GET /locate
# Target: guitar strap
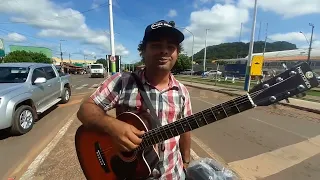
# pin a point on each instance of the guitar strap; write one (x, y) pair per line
(154, 120)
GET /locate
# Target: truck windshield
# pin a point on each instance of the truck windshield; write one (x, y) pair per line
(96, 67)
(13, 74)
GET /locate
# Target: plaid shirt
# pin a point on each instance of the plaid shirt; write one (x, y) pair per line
(120, 92)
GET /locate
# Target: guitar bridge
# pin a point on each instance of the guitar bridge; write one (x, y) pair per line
(101, 157)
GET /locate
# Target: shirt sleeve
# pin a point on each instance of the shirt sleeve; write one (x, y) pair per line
(187, 108)
(107, 94)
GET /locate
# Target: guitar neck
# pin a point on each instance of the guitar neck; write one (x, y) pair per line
(197, 120)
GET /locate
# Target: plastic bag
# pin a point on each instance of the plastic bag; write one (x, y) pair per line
(208, 169)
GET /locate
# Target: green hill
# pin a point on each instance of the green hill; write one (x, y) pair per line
(240, 49)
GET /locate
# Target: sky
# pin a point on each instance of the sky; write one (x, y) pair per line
(83, 29)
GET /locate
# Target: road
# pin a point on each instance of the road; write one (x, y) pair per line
(269, 143)
(265, 142)
(18, 151)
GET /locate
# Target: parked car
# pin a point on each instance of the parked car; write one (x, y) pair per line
(212, 73)
(187, 72)
(27, 90)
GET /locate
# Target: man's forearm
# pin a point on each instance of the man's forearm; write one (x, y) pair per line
(92, 116)
(185, 146)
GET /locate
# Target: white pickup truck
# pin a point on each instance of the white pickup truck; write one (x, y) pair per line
(27, 90)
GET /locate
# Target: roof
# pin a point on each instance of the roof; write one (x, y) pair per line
(23, 64)
(86, 61)
(291, 58)
(294, 52)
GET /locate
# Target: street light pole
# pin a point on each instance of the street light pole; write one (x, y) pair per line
(205, 52)
(249, 61)
(191, 49)
(310, 44)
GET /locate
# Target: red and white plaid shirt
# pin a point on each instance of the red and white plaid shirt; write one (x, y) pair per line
(120, 91)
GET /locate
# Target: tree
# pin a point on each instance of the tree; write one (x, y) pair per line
(183, 62)
(24, 56)
(102, 61)
(240, 50)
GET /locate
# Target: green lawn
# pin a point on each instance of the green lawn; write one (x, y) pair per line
(236, 85)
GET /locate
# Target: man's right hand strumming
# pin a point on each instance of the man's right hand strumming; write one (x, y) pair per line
(125, 136)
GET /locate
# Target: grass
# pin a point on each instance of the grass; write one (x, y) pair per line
(238, 85)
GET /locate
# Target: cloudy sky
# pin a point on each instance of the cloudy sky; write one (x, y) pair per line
(82, 27)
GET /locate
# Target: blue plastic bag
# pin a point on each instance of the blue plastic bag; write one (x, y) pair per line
(208, 169)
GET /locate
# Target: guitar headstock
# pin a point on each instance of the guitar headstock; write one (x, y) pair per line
(292, 82)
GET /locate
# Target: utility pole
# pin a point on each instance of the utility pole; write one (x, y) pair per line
(61, 56)
(205, 52)
(310, 44)
(259, 31)
(240, 40)
(249, 61)
(113, 64)
(265, 41)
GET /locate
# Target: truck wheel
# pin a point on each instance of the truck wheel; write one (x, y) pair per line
(23, 120)
(65, 96)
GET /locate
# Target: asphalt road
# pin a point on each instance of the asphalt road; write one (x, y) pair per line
(266, 142)
(17, 152)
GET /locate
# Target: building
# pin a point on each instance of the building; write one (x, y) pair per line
(46, 51)
(76, 62)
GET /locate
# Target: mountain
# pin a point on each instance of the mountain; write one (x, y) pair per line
(240, 50)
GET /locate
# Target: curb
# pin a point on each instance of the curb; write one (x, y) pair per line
(239, 94)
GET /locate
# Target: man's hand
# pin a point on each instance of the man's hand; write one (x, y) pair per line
(125, 136)
(186, 165)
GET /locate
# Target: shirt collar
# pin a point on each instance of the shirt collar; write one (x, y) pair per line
(172, 80)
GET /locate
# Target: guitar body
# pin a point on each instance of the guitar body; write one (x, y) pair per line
(99, 159)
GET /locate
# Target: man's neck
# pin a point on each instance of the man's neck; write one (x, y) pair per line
(159, 79)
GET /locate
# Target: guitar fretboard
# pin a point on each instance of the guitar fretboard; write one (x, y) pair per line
(196, 120)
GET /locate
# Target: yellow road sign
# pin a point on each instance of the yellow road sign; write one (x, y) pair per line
(256, 66)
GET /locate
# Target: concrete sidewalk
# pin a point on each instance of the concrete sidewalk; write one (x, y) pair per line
(295, 103)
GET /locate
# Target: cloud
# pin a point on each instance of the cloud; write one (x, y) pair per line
(223, 22)
(56, 21)
(291, 37)
(285, 8)
(172, 13)
(297, 38)
(16, 37)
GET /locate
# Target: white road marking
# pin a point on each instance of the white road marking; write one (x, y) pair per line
(94, 86)
(46, 151)
(194, 155)
(273, 162)
(82, 86)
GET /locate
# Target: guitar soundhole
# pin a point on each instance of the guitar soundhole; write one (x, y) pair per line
(128, 154)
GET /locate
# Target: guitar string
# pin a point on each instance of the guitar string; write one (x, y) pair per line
(147, 141)
(149, 136)
(151, 132)
(219, 108)
(193, 119)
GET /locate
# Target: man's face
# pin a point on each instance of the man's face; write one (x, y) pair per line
(161, 55)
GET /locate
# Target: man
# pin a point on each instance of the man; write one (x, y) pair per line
(159, 49)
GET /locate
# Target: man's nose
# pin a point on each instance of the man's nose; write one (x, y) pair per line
(164, 49)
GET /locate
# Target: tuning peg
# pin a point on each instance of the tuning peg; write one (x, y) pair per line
(284, 66)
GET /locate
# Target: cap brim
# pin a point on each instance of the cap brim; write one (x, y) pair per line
(165, 32)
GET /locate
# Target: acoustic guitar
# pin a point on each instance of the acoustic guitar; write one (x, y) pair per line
(99, 160)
